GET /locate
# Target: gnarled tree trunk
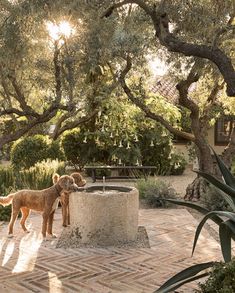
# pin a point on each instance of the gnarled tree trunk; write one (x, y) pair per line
(205, 160)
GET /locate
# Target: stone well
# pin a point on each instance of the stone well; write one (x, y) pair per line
(105, 217)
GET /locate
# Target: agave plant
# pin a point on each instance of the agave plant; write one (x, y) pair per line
(224, 219)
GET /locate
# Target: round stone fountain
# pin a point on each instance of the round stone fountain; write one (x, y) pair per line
(102, 216)
(105, 217)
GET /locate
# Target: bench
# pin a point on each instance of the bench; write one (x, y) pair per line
(135, 171)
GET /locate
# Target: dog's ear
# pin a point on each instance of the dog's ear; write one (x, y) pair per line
(79, 180)
(55, 178)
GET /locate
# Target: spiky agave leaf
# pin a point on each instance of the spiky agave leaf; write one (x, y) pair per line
(227, 175)
(225, 235)
(210, 215)
(222, 186)
(196, 207)
(185, 276)
(188, 204)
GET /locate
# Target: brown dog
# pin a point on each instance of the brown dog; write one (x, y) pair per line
(64, 197)
(44, 201)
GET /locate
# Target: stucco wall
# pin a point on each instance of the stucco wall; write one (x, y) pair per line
(182, 148)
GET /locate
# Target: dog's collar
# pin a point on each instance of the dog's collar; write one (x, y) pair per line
(57, 191)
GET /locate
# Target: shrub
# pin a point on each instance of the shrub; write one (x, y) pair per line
(127, 156)
(55, 152)
(76, 151)
(27, 151)
(5, 212)
(156, 155)
(153, 191)
(178, 164)
(99, 173)
(221, 279)
(6, 179)
(30, 150)
(40, 176)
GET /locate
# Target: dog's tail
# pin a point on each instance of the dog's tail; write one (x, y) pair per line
(6, 200)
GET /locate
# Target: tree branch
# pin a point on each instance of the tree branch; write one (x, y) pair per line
(32, 123)
(19, 96)
(145, 109)
(73, 124)
(174, 44)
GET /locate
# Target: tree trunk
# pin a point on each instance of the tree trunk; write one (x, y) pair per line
(198, 186)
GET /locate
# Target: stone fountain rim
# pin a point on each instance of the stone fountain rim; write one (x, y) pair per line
(114, 188)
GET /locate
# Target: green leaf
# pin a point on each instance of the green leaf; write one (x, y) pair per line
(195, 206)
(188, 204)
(211, 215)
(181, 283)
(225, 241)
(228, 177)
(231, 226)
(228, 199)
(184, 276)
(225, 188)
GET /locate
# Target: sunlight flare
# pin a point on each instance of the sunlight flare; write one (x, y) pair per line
(55, 285)
(28, 251)
(9, 252)
(60, 30)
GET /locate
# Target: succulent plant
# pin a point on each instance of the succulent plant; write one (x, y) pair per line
(224, 219)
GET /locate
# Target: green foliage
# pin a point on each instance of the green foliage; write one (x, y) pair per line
(99, 173)
(221, 279)
(153, 191)
(127, 156)
(40, 175)
(158, 154)
(5, 213)
(77, 151)
(84, 148)
(55, 152)
(26, 152)
(213, 200)
(156, 150)
(6, 178)
(226, 223)
(178, 164)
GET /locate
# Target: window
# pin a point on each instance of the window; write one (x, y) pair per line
(223, 129)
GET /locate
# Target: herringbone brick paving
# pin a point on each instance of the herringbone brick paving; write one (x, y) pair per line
(30, 265)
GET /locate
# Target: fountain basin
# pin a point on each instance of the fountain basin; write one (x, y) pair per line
(105, 218)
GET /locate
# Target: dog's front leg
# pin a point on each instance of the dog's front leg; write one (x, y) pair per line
(68, 215)
(14, 213)
(49, 225)
(45, 217)
(64, 214)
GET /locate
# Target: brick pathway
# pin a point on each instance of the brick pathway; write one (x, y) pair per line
(30, 265)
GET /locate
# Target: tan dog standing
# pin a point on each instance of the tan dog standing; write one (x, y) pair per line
(44, 201)
(64, 197)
